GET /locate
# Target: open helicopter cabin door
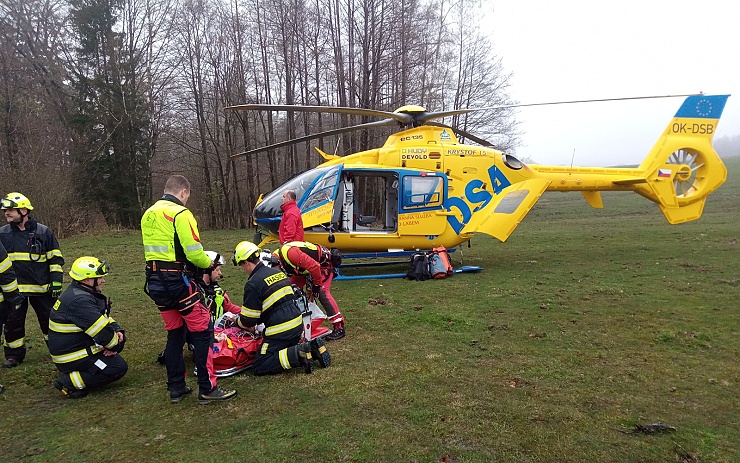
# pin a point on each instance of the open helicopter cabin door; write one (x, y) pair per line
(367, 201)
(317, 204)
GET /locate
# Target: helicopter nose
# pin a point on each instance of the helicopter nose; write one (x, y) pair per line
(268, 213)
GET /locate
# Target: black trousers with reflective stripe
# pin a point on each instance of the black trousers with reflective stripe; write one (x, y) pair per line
(4, 312)
(97, 371)
(15, 327)
(269, 362)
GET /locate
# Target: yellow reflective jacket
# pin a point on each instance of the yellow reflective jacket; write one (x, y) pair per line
(170, 234)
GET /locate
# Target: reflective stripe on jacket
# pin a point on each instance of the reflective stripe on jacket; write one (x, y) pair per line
(303, 258)
(269, 299)
(8, 283)
(79, 326)
(34, 251)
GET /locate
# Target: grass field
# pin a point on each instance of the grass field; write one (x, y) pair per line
(584, 324)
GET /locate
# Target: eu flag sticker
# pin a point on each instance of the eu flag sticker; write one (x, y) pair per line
(703, 107)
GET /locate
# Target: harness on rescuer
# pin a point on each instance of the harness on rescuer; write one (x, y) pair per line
(168, 272)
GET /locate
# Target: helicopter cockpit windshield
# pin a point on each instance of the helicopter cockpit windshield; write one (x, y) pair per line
(269, 209)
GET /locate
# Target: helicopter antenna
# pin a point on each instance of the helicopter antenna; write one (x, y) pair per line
(572, 158)
(336, 148)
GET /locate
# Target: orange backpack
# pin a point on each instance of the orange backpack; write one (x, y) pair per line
(439, 259)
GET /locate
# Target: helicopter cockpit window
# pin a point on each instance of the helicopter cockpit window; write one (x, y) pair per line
(419, 192)
(323, 190)
(270, 205)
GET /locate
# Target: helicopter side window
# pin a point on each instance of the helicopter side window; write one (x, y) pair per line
(420, 192)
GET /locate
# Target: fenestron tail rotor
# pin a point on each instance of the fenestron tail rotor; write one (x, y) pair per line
(687, 179)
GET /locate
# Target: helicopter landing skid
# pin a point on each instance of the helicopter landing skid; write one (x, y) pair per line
(463, 269)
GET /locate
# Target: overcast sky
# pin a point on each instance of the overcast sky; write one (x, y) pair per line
(574, 50)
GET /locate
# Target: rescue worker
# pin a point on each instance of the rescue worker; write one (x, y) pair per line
(291, 224)
(10, 297)
(213, 296)
(37, 262)
(173, 252)
(84, 341)
(307, 262)
(269, 298)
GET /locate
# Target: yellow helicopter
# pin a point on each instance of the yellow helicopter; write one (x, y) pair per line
(438, 192)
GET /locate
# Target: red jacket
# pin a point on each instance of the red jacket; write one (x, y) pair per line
(291, 225)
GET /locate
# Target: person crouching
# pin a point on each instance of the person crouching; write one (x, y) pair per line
(269, 298)
(84, 341)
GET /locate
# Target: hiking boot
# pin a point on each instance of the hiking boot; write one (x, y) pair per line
(177, 396)
(216, 394)
(11, 362)
(70, 392)
(320, 353)
(336, 334)
(305, 357)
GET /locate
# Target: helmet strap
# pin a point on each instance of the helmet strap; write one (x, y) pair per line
(92, 286)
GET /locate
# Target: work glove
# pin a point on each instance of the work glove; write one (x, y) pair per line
(315, 290)
(56, 289)
(118, 348)
(16, 299)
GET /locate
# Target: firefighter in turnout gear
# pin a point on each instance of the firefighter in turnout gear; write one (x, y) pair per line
(269, 298)
(173, 253)
(37, 262)
(10, 297)
(309, 265)
(84, 341)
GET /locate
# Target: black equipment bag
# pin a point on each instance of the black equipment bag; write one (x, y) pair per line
(419, 268)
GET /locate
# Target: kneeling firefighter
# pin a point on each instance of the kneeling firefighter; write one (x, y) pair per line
(269, 298)
(84, 341)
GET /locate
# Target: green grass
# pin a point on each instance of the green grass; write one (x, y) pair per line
(583, 324)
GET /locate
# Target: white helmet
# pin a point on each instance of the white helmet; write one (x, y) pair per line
(217, 258)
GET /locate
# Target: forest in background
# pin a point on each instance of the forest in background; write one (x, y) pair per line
(101, 100)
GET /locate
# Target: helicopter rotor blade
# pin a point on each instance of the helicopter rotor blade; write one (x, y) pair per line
(382, 123)
(400, 117)
(524, 105)
(464, 133)
(442, 114)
